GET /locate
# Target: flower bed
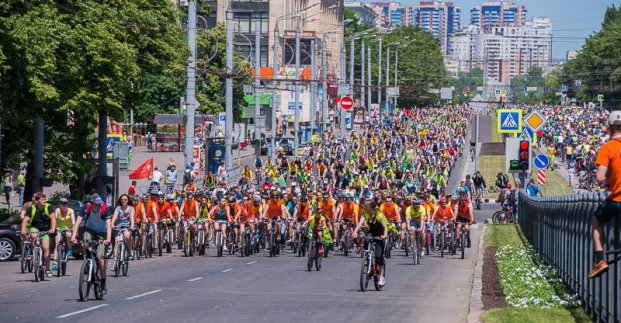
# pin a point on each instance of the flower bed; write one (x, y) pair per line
(529, 284)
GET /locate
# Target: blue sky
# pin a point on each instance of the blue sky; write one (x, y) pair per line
(572, 20)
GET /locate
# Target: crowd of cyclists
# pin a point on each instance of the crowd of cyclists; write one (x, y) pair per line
(389, 181)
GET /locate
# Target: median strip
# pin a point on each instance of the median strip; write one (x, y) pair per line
(81, 311)
(143, 294)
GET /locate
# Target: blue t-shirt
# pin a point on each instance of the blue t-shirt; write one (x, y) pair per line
(95, 222)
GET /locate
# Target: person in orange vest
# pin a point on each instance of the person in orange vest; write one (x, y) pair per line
(464, 216)
(346, 213)
(189, 212)
(301, 212)
(252, 211)
(328, 208)
(275, 210)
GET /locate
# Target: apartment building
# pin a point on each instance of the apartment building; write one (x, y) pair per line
(498, 14)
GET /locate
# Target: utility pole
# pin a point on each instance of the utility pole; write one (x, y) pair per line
(387, 75)
(369, 82)
(313, 87)
(324, 85)
(342, 82)
(351, 67)
(362, 88)
(396, 69)
(257, 79)
(190, 87)
(379, 79)
(228, 125)
(274, 93)
(296, 121)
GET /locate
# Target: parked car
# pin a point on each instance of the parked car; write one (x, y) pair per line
(9, 235)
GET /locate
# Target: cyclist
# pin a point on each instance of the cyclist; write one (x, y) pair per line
(375, 221)
(221, 215)
(189, 211)
(442, 215)
(391, 211)
(317, 225)
(346, 211)
(464, 216)
(123, 219)
(235, 211)
(65, 218)
(40, 218)
(98, 225)
(415, 216)
(328, 209)
(275, 211)
(161, 210)
(251, 211)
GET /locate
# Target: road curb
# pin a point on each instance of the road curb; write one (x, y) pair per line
(476, 301)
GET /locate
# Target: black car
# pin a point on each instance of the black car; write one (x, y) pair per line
(9, 234)
(286, 143)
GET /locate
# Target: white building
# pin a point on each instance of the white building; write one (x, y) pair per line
(504, 51)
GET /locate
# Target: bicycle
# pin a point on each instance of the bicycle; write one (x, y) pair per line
(121, 262)
(179, 232)
(301, 240)
(274, 247)
(160, 238)
(244, 246)
(417, 249)
(37, 257)
(187, 241)
(315, 250)
(369, 268)
(25, 260)
(201, 240)
(148, 243)
(61, 253)
(503, 216)
(462, 241)
(169, 238)
(230, 238)
(137, 241)
(89, 273)
(219, 242)
(347, 229)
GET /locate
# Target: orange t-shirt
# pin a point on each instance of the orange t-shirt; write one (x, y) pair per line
(274, 210)
(189, 209)
(348, 210)
(443, 214)
(327, 208)
(149, 210)
(390, 212)
(138, 213)
(162, 210)
(609, 156)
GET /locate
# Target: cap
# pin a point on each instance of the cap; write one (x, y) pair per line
(614, 118)
(508, 185)
(96, 199)
(64, 200)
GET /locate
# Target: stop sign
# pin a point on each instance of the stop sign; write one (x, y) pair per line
(347, 103)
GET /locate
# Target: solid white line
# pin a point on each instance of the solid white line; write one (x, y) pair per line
(144, 294)
(250, 263)
(194, 279)
(82, 311)
(227, 270)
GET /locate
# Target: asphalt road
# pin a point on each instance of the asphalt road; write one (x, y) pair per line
(258, 288)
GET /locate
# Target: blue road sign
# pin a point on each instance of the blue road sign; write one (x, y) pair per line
(546, 89)
(524, 89)
(510, 121)
(565, 88)
(528, 130)
(541, 161)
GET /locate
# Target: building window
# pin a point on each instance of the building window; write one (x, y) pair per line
(245, 21)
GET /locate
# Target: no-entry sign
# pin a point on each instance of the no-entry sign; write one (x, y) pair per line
(347, 103)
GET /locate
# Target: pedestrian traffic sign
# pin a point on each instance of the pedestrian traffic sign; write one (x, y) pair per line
(541, 161)
(535, 121)
(509, 121)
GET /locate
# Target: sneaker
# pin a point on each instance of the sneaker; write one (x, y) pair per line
(104, 290)
(69, 253)
(53, 265)
(320, 250)
(131, 257)
(382, 281)
(225, 248)
(598, 269)
(468, 243)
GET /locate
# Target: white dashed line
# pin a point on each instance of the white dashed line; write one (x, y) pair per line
(194, 279)
(144, 294)
(82, 311)
(227, 270)
(250, 263)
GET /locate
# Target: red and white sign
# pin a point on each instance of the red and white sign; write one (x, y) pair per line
(541, 176)
(196, 158)
(347, 103)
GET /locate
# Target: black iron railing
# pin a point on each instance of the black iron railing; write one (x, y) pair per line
(560, 230)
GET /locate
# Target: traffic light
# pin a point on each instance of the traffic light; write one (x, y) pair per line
(524, 155)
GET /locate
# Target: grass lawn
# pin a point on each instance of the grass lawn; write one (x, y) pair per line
(523, 315)
(496, 137)
(498, 235)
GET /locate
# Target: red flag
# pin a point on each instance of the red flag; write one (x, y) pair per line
(143, 171)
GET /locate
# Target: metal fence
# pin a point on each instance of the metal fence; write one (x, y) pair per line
(560, 230)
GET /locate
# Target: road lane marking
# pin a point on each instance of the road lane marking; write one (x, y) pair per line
(82, 311)
(143, 294)
(250, 263)
(227, 270)
(194, 279)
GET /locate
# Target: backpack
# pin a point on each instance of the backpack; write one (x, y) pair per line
(187, 176)
(87, 211)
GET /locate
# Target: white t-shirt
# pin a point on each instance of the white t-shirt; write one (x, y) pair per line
(157, 176)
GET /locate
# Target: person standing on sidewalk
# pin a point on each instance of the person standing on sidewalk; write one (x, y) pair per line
(171, 178)
(21, 186)
(608, 172)
(7, 187)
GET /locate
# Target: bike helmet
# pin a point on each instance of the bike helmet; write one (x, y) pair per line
(455, 197)
(349, 195)
(509, 185)
(257, 198)
(145, 196)
(170, 197)
(304, 198)
(232, 199)
(416, 200)
(443, 199)
(160, 194)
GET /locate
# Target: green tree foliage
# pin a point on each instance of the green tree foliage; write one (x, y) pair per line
(87, 56)
(598, 63)
(467, 83)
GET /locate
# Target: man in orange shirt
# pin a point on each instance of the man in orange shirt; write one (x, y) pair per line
(329, 211)
(346, 213)
(274, 211)
(608, 163)
(392, 212)
(188, 212)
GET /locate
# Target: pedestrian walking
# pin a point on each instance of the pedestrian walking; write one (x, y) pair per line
(21, 186)
(7, 187)
(222, 172)
(171, 178)
(156, 179)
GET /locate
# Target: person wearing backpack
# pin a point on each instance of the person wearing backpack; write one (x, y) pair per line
(98, 225)
(531, 188)
(40, 218)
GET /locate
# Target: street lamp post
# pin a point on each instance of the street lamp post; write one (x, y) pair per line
(228, 124)
(387, 75)
(362, 88)
(257, 78)
(369, 82)
(296, 82)
(379, 79)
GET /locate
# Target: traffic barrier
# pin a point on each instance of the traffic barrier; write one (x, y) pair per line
(560, 230)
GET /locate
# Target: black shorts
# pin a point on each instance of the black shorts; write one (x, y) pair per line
(607, 211)
(462, 220)
(379, 251)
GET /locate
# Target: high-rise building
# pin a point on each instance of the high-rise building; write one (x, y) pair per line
(440, 18)
(498, 14)
(363, 11)
(504, 51)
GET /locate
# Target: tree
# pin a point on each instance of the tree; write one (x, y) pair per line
(467, 83)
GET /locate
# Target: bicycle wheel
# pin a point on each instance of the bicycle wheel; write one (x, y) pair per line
(97, 287)
(117, 260)
(84, 285)
(496, 216)
(364, 274)
(406, 245)
(192, 247)
(59, 259)
(388, 245)
(137, 248)
(159, 244)
(180, 233)
(478, 203)
(453, 246)
(64, 268)
(442, 244)
(311, 251)
(462, 240)
(218, 243)
(318, 262)
(37, 264)
(125, 265)
(346, 244)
